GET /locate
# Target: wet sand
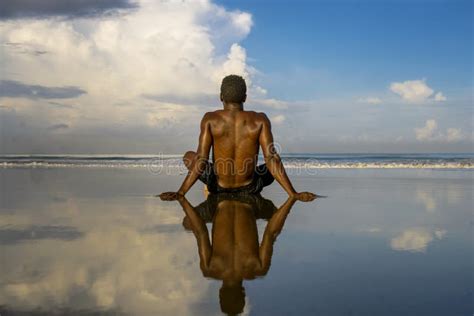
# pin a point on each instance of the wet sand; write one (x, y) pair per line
(384, 242)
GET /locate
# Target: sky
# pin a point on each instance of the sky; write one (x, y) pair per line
(131, 77)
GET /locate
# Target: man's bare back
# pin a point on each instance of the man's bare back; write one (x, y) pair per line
(235, 137)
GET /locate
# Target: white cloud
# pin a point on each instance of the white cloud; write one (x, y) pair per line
(415, 91)
(427, 132)
(415, 239)
(412, 90)
(271, 103)
(453, 135)
(242, 21)
(430, 133)
(370, 100)
(439, 97)
(235, 63)
(260, 91)
(278, 119)
(161, 48)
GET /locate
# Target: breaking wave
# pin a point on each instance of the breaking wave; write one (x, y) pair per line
(291, 161)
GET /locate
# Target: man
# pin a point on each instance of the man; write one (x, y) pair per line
(234, 253)
(235, 136)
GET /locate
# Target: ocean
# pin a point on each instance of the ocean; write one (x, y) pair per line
(291, 161)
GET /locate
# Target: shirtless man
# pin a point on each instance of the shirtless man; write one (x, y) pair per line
(234, 253)
(235, 136)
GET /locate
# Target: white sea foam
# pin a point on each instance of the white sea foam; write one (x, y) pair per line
(158, 165)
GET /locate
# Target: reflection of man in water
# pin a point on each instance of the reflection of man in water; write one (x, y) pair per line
(234, 254)
(235, 136)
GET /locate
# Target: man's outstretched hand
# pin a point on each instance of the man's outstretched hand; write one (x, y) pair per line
(301, 196)
(171, 196)
(305, 196)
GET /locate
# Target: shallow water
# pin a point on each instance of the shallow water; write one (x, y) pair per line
(96, 241)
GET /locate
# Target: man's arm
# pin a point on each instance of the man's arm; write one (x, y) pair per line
(200, 232)
(198, 166)
(273, 229)
(274, 164)
(204, 147)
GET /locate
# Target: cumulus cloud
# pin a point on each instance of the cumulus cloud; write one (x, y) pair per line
(415, 239)
(453, 135)
(160, 48)
(426, 132)
(415, 91)
(131, 70)
(430, 132)
(370, 100)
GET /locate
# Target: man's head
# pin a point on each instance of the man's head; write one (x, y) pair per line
(233, 89)
(232, 298)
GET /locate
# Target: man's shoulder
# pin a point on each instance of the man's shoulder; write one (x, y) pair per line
(210, 115)
(218, 114)
(260, 117)
(257, 115)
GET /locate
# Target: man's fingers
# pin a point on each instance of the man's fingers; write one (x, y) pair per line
(164, 197)
(306, 196)
(168, 196)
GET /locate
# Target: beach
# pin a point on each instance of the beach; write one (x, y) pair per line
(217, 157)
(96, 240)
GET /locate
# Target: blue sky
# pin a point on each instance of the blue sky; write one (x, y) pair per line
(359, 46)
(136, 76)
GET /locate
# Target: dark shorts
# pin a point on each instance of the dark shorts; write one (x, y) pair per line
(261, 207)
(261, 178)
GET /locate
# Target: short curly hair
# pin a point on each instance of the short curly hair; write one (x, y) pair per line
(233, 89)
